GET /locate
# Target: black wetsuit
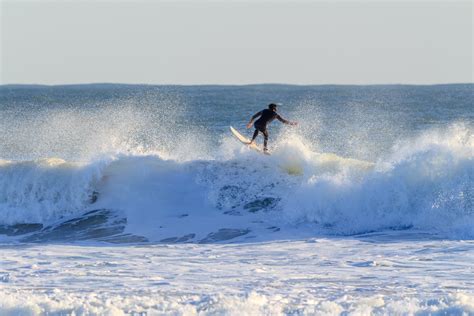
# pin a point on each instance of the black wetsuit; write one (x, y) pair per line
(266, 116)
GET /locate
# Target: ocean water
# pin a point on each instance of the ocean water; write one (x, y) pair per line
(136, 199)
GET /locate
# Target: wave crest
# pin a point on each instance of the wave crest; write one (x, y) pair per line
(426, 183)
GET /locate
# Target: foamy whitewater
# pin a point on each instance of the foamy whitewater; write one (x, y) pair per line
(131, 199)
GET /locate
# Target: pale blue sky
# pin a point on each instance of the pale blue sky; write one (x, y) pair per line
(236, 42)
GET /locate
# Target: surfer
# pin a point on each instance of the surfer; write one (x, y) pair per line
(266, 116)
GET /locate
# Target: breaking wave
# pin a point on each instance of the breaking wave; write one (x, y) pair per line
(424, 183)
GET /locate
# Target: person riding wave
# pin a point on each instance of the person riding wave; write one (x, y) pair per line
(266, 116)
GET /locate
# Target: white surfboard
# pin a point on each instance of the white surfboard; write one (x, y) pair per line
(245, 140)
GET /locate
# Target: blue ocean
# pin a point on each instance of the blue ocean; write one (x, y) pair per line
(136, 199)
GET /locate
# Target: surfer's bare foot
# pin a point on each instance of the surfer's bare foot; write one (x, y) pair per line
(251, 142)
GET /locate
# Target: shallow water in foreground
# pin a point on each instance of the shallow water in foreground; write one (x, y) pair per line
(380, 273)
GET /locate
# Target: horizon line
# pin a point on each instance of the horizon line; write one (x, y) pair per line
(232, 84)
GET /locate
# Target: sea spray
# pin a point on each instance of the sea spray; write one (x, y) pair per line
(427, 187)
(427, 183)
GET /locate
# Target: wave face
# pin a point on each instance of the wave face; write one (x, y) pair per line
(44, 190)
(427, 183)
(142, 164)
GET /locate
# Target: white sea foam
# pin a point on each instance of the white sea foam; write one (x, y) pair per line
(63, 303)
(366, 276)
(45, 190)
(426, 183)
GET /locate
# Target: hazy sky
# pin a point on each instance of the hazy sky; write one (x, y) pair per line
(201, 42)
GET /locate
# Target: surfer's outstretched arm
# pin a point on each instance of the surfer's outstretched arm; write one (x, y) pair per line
(281, 119)
(249, 124)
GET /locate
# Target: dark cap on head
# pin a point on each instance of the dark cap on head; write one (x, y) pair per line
(272, 106)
